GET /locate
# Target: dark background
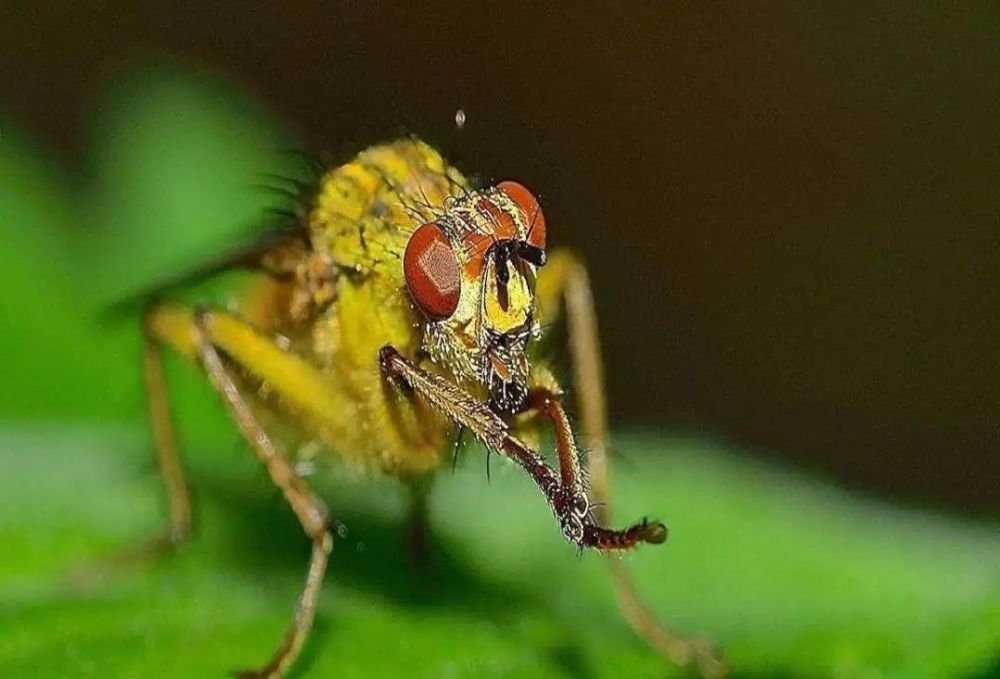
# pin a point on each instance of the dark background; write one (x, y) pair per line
(791, 214)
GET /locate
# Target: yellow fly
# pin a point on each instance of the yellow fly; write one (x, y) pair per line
(406, 303)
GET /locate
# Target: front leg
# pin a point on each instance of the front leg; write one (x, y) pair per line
(564, 493)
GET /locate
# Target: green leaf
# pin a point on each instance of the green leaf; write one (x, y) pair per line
(793, 578)
(47, 358)
(179, 165)
(173, 186)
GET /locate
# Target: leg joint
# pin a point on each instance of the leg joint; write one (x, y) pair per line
(386, 357)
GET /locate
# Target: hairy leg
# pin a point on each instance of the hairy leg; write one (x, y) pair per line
(568, 502)
(207, 335)
(418, 525)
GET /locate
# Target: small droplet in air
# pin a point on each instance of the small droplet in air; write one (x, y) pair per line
(460, 119)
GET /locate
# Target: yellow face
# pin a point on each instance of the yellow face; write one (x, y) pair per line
(472, 273)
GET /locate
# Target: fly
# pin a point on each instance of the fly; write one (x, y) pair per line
(410, 302)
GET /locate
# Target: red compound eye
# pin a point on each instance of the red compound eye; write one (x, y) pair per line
(528, 204)
(432, 273)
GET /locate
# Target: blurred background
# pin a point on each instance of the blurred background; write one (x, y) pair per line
(791, 214)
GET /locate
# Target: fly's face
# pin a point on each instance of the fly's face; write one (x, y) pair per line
(471, 271)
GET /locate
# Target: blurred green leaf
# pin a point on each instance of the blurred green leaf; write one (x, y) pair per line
(176, 163)
(179, 172)
(795, 579)
(46, 360)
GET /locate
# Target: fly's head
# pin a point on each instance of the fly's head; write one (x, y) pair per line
(471, 272)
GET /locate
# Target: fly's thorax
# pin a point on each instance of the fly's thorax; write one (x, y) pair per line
(365, 210)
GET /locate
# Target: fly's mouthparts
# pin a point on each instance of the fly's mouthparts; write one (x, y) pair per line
(507, 397)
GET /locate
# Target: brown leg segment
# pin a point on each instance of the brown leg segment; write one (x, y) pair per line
(571, 474)
(418, 526)
(547, 403)
(568, 501)
(564, 279)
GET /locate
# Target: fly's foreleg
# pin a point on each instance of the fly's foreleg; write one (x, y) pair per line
(171, 472)
(564, 493)
(571, 473)
(564, 281)
(165, 444)
(418, 525)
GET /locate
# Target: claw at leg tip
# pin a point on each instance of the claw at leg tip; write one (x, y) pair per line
(655, 534)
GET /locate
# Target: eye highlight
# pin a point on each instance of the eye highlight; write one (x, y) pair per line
(432, 272)
(528, 204)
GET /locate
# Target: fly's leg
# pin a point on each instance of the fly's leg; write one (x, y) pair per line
(418, 525)
(165, 444)
(568, 502)
(206, 336)
(564, 279)
(171, 471)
